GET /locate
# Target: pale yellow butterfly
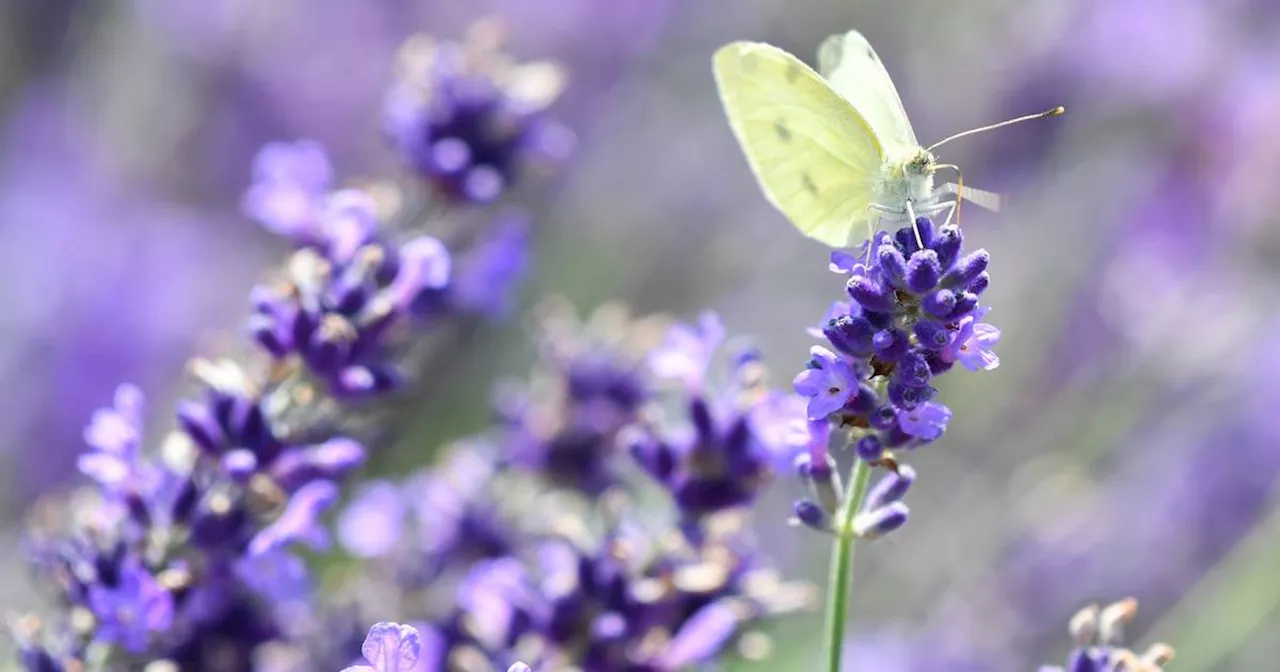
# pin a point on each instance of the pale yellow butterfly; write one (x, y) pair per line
(834, 152)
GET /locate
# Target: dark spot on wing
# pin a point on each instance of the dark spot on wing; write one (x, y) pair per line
(793, 73)
(871, 53)
(807, 183)
(780, 127)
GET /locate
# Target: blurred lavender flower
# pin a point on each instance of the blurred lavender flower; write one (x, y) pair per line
(389, 647)
(156, 560)
(724, 457)
(439, 521)
(341, 298)
(564, 424)
(630, 603)
(469, 119)
(290, 184)
(1098, 633)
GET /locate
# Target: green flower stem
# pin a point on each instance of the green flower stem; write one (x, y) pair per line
(841, 578)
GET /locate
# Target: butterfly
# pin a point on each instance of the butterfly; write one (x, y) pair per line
(833, 150)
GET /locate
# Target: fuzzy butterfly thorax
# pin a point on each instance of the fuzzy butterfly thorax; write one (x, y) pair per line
(906, 177)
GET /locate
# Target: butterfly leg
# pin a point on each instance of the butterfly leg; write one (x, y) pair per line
(872, 223)
(911, 212)
(952, 208)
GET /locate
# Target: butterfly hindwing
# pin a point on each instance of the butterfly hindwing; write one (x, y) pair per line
(815, 156)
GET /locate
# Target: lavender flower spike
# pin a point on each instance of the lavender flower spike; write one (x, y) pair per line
(389, 647)
(734, 437)
(469, 119)
(1098, 632)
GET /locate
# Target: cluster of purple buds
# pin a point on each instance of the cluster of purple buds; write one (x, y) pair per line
(181, 552)
(438, 522)
(469, 120)
(625, 604)
(1098, 632)
(881, 512)
(183, 555)
(563, 424)
(346, 291)
(724, 454)
(914, 313)
(547, 579)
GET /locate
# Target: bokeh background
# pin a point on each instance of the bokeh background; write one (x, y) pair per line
(1127, 445)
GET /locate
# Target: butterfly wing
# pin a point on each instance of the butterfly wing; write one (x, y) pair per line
(858, 75)
(815, 156)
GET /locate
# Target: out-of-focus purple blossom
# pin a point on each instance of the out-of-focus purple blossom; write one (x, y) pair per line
(290, 184)
(373, 521)
(686, 353)
(341, 300)
(176, 561)
(563, 425)
(131, 610)
(469, 120)
(440, 520)
(115, 434)
(1098, 633)
(724, 456)
(300, 520)
(232, 427)
(389, 647)
(486, 274)
(596, 609)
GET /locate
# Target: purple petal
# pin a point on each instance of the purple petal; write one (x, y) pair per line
(370, 526)
(299, 522)
(704, 634)
(391, 647)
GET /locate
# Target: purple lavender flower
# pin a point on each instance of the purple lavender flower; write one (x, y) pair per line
(687, 351)
(115, 435)
(563, 426)
(972, 342)
(174, 557)
(724, 457)
(487, 273)
(828, 383)
(290, 184)
(595, 609)
(132, 608)
(340, 300)
(233, 428)
(389, 647)
(468, 119)
(439, 521)
(1098, 633)
(913, 313)
(925, 422)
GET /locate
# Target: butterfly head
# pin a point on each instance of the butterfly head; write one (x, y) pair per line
(920, 164)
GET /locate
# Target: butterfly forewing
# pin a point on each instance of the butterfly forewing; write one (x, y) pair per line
(854, 70)
(815, 156)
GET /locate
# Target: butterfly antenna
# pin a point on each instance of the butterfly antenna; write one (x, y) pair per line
(1059, 110)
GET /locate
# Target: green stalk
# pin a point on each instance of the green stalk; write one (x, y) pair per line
(841, 577)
